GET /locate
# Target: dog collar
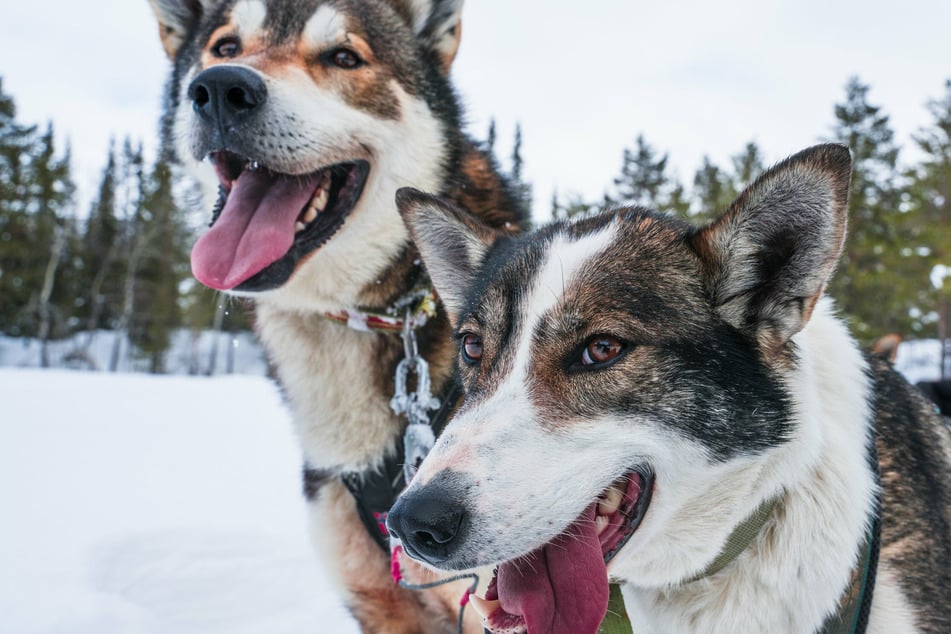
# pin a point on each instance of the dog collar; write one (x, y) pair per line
(392, 319)
(741, 537)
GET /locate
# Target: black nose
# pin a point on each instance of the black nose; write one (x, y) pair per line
(226, 95)
(429, 523)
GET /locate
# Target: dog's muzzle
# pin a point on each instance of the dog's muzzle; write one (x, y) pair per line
(224, 96)
(429, 523)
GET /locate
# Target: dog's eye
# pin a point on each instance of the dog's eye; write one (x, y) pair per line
(345, 58)
(471, 349)
(600, 351)
(226, 47)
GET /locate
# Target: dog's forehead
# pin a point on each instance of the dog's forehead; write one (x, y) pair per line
(316, 22)
(628, 261)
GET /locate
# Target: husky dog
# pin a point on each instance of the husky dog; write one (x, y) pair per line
(678, 409)
(306, 116)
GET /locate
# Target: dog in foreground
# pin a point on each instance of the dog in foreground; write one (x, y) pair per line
(678, 409)
(306, 116)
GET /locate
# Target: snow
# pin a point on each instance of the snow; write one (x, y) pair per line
(206, 352)
(920, 360)
(139, 504)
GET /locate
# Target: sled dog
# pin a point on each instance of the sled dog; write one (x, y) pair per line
(678, 410)
(305, 117)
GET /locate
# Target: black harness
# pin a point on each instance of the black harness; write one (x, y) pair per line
(375, 490)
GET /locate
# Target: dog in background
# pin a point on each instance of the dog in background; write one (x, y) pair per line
(680, 410)
(305, 117)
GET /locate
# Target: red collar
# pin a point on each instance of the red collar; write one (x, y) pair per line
(394, 318)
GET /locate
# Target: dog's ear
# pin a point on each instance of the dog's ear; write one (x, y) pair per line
(768, 259)
(176, 18)
(438, 24)
(452, 243)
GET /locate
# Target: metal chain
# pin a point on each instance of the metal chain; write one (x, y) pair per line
(418, 439)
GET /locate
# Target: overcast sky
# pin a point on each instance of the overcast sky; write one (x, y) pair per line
(583, 77)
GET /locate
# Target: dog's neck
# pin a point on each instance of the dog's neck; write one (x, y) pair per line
(791, 577)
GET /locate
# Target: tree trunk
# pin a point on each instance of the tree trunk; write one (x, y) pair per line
(46, 292)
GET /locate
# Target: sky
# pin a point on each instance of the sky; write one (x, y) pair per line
(582, 78)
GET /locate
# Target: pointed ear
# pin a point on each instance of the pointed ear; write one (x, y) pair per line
(438, 24)
(176, 18)
(452, 243)
(768, 259)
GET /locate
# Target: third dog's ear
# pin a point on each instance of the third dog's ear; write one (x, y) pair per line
(438, 24)
(768, 259)
(176, 19)
(453, 244)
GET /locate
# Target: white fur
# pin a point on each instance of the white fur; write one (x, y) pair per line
(247, 16)
(325, 27)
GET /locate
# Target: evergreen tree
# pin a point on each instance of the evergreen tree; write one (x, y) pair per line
(17, 147)
(51, 193)
(163, 267)
(490, 139)
(713, 190)
(872, 283)
(573, 207)
(643, 177)
(523, 189)
(747, 165)
(930, 205)
(101, 249)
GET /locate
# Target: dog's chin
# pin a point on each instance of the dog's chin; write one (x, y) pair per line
(571, 569)
(265, 223)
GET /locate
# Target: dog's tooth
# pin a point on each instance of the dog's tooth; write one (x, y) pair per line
(610, 502)
(254, 166)
(299, 226)
(310, 215)
(483, 606)
(320, 199)
(601, 523)
(325, 180)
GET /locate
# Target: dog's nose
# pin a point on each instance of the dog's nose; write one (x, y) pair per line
(428, 523)
(227, 94)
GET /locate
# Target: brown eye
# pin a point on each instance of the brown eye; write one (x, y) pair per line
(600, 350)
(345, 58)
(471, 349)
(226, 47)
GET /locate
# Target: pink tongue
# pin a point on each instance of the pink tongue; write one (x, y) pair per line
(255, 228)
(561, 588)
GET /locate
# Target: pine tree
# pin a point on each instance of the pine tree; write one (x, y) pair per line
(643, 177)
(490, 139)
(51, 195)
(102, 243)
(17, 147)
(163, 267)
(573, 207)
(930, 205)
(872, 283)
(523, 189)
(713, 190)
(747, 165)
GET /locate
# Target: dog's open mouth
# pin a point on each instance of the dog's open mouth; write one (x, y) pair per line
(562, 587)
(265, 222)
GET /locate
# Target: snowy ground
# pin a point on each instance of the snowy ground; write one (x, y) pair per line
(143, 505)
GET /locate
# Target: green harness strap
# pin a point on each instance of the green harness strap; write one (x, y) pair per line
(616, 620)
(850, 618)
